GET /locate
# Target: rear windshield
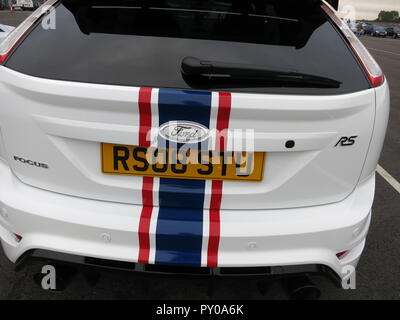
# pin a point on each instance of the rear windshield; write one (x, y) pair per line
(143, 43)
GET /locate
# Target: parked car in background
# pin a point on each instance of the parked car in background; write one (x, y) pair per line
(360, 29)
(5, 31)
(379, 32)
(390, 32)
(396, 33)
(24, 5)
(368, 29)
(353, 26)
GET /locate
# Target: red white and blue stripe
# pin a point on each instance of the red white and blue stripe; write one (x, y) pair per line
(175, 228)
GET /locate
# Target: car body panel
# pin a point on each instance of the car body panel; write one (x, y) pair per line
(106, 230)
(5, 31)
(313, 204)
(66, 134)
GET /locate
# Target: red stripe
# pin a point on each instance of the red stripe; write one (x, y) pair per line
(145, 116)
(224, 112)
(214, 233)
(147, 189)
(145, 219)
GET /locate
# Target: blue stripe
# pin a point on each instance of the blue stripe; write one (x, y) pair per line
(180, 220)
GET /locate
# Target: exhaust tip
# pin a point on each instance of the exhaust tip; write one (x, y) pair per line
(306, 293)
(300, 288)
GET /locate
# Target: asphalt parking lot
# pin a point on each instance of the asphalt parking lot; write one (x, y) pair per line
(378, 275)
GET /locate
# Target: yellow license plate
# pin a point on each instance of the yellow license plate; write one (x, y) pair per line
(182, 164)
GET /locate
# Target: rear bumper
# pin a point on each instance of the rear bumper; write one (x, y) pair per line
(249, 238)
(88, 264)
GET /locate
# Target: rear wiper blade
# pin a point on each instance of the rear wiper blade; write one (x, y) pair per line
(225, 71)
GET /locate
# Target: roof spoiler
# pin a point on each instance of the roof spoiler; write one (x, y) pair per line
(81, 10)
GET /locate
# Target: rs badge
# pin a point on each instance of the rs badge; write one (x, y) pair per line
(346, 141)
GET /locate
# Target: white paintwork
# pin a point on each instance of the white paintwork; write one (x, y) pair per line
(6, 31)
(382, 111)
(51, 221)
(314, 202)
(67, 121)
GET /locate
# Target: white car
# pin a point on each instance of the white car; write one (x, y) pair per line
(23, 4)
(5, 31)
(353, 27)
(157, 139)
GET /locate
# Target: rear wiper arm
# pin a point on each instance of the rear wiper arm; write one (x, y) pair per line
(212, 70)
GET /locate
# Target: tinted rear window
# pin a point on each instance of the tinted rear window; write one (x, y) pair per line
(143, 43)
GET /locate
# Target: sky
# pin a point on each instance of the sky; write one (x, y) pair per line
(367, 9)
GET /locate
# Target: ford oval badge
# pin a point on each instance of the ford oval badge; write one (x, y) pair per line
(184, 132)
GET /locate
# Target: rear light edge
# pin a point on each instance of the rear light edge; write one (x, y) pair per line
(370, 67)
